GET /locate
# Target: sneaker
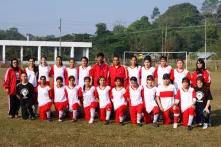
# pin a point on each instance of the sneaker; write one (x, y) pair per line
(205, 126)
(74, 120)
(91, 121)
(139, 124)
(60, 120)
(10, 116)
(16, 116)
(155, 124)
(122, 123)
(107, 122)
(49, 119)
(189, 128)
(32, 118)
(175, 125)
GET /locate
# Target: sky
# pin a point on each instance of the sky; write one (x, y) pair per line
(41, 17)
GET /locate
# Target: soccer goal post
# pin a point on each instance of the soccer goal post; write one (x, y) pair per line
(155, 56)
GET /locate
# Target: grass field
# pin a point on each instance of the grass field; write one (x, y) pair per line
(17, 132)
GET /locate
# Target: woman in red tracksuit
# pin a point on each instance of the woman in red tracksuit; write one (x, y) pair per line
(12, 78)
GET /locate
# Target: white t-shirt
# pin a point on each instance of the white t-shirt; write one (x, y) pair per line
(149, 98)
(134, 72)
(88, 96)
(104, 96)
(59, 72)
(72, 72)
(44, 71)
(118, 98)
(72, 96)
(161, 71)
(59, 94)
(31, 77)
(83, 72)
(43, 95)
(178, 77)
(146, 72)
(135, 96)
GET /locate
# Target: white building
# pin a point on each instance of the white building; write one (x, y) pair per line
(85, 46)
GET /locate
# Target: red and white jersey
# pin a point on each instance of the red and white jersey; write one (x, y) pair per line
(118, 98)
(88, 96)
(83, 72)
(146, 72)
(72, 72)
(134, 72)
(59, 72)
(44, 71)
(59, 94)
(104, 96)
(135, 95)
(43, 95)
(31, 77)
(160, 71)
(178, 77)
(72, 95)
(186, 98)
(166, 94)
(149, 98)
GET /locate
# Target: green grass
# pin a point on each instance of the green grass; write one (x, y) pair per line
(17, 132)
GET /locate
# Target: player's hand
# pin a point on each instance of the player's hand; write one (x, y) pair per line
(206, 109)
(7, 91)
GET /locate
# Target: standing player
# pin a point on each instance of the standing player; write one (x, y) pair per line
(186, 97)
(134, 69)
(162, 69)
(71, 71)
(146, 70)
(134, 94)
(179, 73)
(116, 70)
(151, 107)
(103, 94)
(165, 99)
(83, 71)
(100, 69)
(44, 70)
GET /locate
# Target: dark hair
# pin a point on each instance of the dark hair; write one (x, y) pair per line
(179, 59)
(101, 77)
(23, 73)
(71, 59)
(185, 79)
(35, 67)
(61, 60)
(59, 78)
(43, 77)
(71, 77)
(43, 56)
(147, 58)
(14, 59)
(199, 70)
(150, 77)
(163, 58)
(133, 57)
(119, 78)
(133, 79)
(84, 58)
(100, 55)
(116, 56)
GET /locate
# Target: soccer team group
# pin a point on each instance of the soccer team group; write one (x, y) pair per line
(147, 93)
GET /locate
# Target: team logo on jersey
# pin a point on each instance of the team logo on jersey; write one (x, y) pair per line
(199, 95)
(24, 92)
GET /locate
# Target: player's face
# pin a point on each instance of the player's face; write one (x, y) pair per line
(84, 62)
(118, 83)
(31, 62)
(59, 83)
(102, 81)
(87, 83)
(179, 64)
(163, 62)
(133, 61)
(100, 59)
(71, 63)
(71, 82)
(15, 63)
(133, 84)
(58, 61)
(199, 65)
(43, 61)
(150, 82)
(199, 83)
(116, 61)
(185, 85)
(147, 63)
(24, 78)
(43, 81)
(166, 81)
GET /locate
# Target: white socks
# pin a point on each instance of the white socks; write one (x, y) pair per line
(155, 117)
(74, 114)
(60, 114)
(190, 120)
(121, 118)
(138, 117)
(92, 112)
(108, 113)
(48, 114)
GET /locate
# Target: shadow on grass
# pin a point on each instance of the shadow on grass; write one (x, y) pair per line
(216, 117)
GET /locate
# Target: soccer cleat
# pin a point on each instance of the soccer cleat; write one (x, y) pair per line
(60, 120)
(122, 123)
(91, 121)
(205, 126)
(175, 125)
(189, 128)
(107, 122)
(74, 120)
(155, 124)
(139, 124)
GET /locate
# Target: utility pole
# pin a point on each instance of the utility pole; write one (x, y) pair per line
(59, 53)
(165, 41)
(205, 29)
(162, 40)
